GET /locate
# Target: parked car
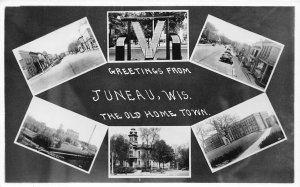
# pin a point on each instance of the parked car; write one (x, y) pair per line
(213, 44)
(227, 58)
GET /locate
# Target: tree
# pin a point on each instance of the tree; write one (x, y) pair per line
(222, 123)
(209, 28)
(176, 23)
(225, 40)
(68, 139)
(119, 149)
(118, 28)
(161, 152)
(183, 157)
(72, 48)
(43, 141)
(149, 136)
(201, 133)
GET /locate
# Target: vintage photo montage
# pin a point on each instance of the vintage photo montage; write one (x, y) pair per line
(147, 35)
(149, 152)
(59, 56)
(70, 138)
(236, 53)
(238, 132)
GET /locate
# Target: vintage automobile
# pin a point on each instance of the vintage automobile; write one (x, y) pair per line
(226, 57)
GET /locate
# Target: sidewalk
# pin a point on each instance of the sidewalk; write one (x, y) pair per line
(255, 146)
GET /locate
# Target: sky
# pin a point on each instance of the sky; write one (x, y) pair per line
(259, 103)
(233, 32)
(54, 115)
(57, 41)
(176, 135)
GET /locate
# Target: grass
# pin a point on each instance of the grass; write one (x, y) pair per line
(275, 135)
(65, 147)
(243, 142)
(227, 157)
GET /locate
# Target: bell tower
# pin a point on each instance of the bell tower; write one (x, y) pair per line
(133, 136)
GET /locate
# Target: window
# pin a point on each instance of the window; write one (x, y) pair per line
(256, 52)
(139, 153)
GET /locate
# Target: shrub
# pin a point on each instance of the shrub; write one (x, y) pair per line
(272, 138)
(227, 157)
(122, 169)
(58, 145)
(43, 141)
(146, 169)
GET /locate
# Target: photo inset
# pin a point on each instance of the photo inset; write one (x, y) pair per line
(63, 135)
(149, 152)
(59, 56)
(148, 35)
(238, 132)
(236, 53)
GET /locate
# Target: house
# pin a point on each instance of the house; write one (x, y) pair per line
(137, 152)
(255, 51)
(266, 60)
(27, 64)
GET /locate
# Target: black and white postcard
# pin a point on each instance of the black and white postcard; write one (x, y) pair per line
(237, 53)
(148, 35)
(59, 56)
(149, 152)
(239, 132)
(60, 134)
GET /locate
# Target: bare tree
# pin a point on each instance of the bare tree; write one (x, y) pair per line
(149, 136)
(222, 123)
(201, 134)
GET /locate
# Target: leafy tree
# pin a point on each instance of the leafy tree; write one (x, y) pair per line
(118, 28)
(43, 141)
(176, 23)
(225, 40)
(72, 48)
(149, 136)
(209, 28)
(58, 145)
(119, 149)
(68, 139)
(183, 157)
(162, 153)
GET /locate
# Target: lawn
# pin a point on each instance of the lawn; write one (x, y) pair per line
(275, 135)
(65, 147)
(244, 142)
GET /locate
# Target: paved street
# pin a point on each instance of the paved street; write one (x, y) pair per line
(137, 53)
(69, 67)
(166, 173)
(209, 56)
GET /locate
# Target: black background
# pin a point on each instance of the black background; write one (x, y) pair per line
(208, 90)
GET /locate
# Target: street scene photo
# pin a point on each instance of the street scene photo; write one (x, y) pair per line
(238, 132)
(61, 135)
(59, 56)
(236, 53)
(147, 36)
(146, 152)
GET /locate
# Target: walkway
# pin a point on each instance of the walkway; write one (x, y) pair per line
(255, 147)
